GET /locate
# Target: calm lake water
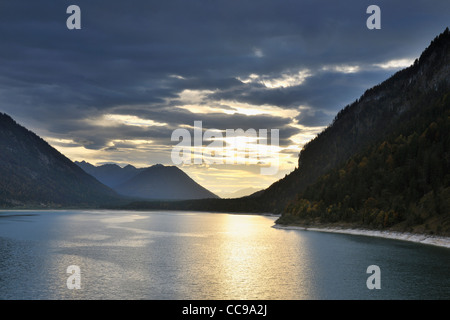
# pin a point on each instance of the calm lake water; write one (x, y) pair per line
(189, 255)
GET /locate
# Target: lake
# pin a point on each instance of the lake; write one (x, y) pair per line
(204, 256)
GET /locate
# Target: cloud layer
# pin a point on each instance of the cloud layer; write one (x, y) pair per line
(116, 89)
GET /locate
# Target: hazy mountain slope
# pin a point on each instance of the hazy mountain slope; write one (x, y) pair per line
(163, 182)
(241, 193)
(33, 173)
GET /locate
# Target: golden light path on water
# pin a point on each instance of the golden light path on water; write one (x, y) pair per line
(199, 256)
(250, 264)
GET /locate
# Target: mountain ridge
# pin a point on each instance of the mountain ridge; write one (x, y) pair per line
(157, 182)
(365, 121)
(400, 178)
(36, 174)
(164, 182)
(110, 174)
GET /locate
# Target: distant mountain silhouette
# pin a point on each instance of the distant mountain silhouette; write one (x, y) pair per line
(163, 182)
(242, 193)
(111, 175)
(32, 173)
(157, 182)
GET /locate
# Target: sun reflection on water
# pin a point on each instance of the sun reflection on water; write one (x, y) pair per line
(252, 266)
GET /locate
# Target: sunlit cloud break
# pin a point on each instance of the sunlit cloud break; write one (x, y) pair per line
(342, 68)
(129, 120)
(285, 80)
(235, 147)
(395, 64)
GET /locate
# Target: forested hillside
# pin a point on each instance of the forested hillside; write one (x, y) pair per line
(402, 177)
(403, 181)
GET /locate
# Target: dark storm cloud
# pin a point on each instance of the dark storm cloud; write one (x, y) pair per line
(136, 57)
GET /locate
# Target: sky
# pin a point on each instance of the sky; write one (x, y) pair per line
(118, 89)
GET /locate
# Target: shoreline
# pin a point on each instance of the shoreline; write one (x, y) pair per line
(395, 235)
